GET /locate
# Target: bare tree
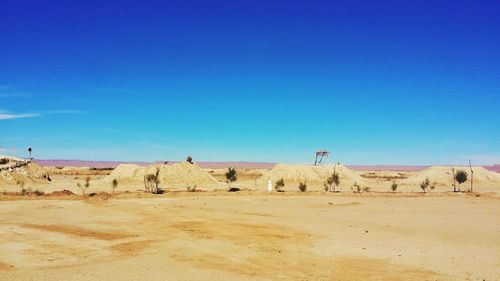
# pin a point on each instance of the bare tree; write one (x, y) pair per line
(471, 177)
(83, 187)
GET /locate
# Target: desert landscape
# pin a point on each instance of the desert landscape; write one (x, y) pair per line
(249, 140)
(52, 229)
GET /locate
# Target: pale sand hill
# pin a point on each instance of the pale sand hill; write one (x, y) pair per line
(127, 174)
(442, 177)
(313, 176)
(183, 174)
(176, 176)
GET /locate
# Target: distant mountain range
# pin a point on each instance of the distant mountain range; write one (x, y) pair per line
(218, 165)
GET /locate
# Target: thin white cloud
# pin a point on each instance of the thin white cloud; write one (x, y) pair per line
(7, 115)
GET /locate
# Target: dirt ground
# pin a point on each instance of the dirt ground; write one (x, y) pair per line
(250, 236)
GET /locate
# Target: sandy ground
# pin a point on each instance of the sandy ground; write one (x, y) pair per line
(251, 236)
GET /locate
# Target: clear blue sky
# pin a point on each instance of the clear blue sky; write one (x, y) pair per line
(375, 82)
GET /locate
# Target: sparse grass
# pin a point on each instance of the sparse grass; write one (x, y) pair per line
(158, 190)
(190, 188)
(29, 191)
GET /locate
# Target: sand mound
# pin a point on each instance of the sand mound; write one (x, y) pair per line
(13, 170)
(313, 176)
(442, 176)
(182, 175)
(178, 175)
(127, 174)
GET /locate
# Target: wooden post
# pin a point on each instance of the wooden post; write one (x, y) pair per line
(471, 177)
(454, 181)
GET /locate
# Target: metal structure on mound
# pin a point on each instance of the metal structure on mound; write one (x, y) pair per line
(320, 154)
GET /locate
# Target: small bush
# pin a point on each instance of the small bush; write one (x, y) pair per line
(152, 182)
(394, 186)
(332, 181)
(231, 175)
(191, 188)
(279, 184)
(425, 185)
(461, 177)
(302, 187)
